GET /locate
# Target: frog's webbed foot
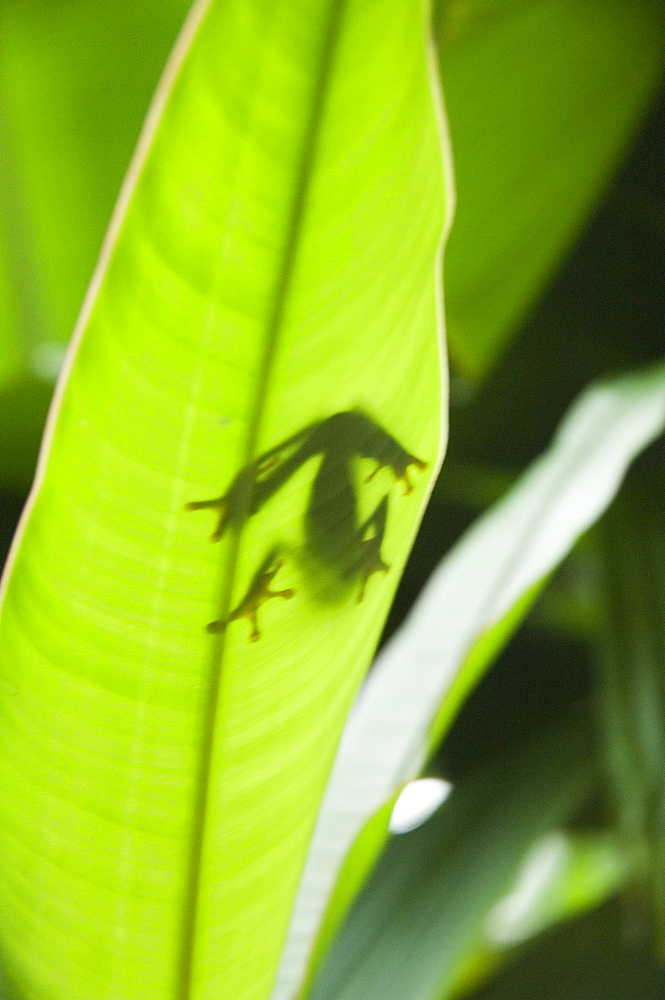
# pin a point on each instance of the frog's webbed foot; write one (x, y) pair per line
(400, 469)
(220, 504)
(370, 559)
(258, 593)
(402, 476)
(370, 562)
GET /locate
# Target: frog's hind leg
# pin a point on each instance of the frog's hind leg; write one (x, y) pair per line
(258, 592)
(370, 537)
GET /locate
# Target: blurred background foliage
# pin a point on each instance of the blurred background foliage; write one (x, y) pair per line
(553, 278)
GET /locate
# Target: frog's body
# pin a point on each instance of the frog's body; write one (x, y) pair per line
(335, 537)
(334, 534)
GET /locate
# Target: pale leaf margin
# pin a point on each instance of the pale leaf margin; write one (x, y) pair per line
(429, 664)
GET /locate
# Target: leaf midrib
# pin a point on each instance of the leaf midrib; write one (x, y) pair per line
(210, 722)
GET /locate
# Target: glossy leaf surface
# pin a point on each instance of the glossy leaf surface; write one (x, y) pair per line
(473, 602)
(258, 359)
(426, 902)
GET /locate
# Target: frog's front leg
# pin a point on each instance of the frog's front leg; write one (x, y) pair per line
(257, 483)
(257, 594)
(219, 504)
(370, 539)
(235, 506)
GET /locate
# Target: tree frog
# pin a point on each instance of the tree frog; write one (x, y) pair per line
(334, 534)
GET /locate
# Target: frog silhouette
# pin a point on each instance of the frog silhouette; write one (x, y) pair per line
(335, 535)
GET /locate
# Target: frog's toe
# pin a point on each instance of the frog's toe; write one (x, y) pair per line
(258, 593)
(220, 504)
(266, 465)
(370, 563)
(372, 474)
(403, 475)
(379, 567)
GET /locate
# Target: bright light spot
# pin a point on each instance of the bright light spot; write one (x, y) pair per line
(416, 803)
(47, 359)
(512, 918)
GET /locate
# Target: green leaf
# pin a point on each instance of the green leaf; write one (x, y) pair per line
(543, 98)
(630, 591)
(70, 125)
(562, 876)
(424, 906)
(68, 122)
(261, 338)
(588, 959)
(9, 348)
(473, 602)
